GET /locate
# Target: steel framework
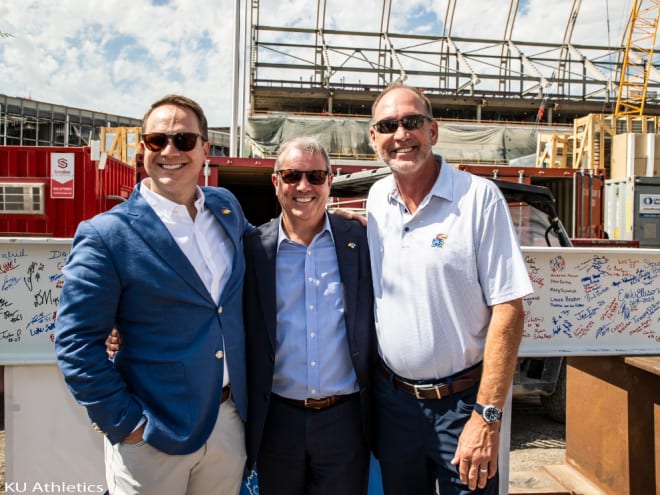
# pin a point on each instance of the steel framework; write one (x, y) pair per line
(319, 59)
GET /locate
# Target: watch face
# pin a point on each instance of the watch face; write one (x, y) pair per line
(492, 414)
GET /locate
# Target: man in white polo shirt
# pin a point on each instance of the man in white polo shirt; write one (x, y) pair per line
(449, 279)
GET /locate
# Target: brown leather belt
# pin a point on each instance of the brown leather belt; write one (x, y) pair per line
(226, 393)
(437, 390)
(316, 403)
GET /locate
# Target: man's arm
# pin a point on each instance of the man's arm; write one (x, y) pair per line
(350, 215)
(86, 314)
(478, 445)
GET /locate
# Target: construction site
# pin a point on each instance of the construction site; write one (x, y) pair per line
(582, 120)
(568, 116)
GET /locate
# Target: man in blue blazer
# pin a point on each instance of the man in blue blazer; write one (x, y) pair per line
(166, 269)
(310, 337)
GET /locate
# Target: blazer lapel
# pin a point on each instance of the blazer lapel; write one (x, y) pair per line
(226, 217)
(347, 249)
(265, 264)
(151, 229)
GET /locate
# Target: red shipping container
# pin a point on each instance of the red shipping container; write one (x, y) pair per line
(578, 193)
(27, 205)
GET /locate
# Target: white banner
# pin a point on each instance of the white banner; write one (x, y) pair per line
(62, 175)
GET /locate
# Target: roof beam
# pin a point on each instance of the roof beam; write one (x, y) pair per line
(462, 61)
(593, 70)
(543, 82)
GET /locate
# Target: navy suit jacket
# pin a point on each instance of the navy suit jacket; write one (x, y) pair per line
(126, 271)
(260, 317)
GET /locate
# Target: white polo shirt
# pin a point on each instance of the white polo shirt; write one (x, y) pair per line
(437, 272)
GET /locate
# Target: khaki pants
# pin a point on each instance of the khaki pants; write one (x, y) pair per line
(214, 469)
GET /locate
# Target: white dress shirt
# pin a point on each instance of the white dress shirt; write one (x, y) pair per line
(203, 241)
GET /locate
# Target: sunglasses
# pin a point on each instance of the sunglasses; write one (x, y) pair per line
(184, 141)
(409, 123)
(314, 177)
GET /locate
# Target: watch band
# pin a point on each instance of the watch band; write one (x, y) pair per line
(490, 413)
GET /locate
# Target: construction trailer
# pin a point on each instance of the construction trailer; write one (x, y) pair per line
(47, 191)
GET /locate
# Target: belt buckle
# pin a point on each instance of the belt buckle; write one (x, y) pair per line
(309, 405)
(424, 388)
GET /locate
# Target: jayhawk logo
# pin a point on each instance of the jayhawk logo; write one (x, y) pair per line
(439, 240)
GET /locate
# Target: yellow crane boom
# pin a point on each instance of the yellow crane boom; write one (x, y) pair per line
(638, 57)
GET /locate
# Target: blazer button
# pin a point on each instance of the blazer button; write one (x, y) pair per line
(219, 354)
(220, 310)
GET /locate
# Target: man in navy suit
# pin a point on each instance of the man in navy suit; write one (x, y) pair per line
(166, 269)
(309, 337)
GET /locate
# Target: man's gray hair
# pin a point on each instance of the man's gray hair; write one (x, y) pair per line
(305, 144)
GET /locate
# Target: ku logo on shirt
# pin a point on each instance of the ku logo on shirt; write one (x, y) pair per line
(439, 240)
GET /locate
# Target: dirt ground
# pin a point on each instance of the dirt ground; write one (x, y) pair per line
(536, 441)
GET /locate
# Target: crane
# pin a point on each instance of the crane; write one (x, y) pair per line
(637, 57)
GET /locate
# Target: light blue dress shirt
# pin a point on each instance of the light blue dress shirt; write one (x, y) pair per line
(312, 357)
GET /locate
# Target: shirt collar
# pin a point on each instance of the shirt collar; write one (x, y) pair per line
(281, 234)
(444, 184)
(442, 187)
(163, 206)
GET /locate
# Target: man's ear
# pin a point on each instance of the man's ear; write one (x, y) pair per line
(372, 139)
(434, 132)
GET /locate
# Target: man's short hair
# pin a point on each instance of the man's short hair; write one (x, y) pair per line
(401, 85)
(180, 101)
(305, 144)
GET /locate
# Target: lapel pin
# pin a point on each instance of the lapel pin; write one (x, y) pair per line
(351, 245)
(225, 211)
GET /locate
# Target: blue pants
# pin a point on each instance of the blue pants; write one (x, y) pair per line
(417, 439)
(313, 452)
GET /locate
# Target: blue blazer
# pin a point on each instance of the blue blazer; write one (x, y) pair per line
(260, 318)
(126, 271)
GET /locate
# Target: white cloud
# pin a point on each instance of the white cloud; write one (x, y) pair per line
(119, 56)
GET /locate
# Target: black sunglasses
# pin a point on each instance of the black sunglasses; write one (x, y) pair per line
(314, 177)
(409, 123)
(184, 141)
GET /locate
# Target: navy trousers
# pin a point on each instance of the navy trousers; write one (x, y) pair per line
(313, 452)
(416, 440)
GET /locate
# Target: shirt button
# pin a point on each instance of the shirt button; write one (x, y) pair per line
(311, 307)
(313, 363)
(312, 335)
(313, 391)
(220, 310)
(219, 354)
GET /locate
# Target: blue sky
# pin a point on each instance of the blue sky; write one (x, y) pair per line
(119, 56)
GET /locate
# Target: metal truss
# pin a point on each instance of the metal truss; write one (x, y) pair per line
(317, 58)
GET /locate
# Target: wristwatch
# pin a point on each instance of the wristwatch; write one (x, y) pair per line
(489, 412)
